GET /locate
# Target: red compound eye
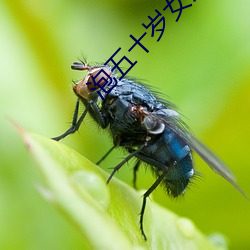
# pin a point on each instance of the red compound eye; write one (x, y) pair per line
(95, 76)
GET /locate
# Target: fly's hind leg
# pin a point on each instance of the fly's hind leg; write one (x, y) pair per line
(145, 196)
(135, 169)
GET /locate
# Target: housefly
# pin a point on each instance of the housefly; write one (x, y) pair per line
(148, 127)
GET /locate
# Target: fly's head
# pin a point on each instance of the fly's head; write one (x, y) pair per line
(95, 77)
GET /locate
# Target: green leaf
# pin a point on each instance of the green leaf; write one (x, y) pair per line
(107, 215)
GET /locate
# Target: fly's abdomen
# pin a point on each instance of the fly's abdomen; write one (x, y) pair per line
(170, 155)
(180, 165)
(178, 176)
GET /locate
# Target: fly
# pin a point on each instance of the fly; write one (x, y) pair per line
(149, 128)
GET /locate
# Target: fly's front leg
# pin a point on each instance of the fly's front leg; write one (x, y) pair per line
(97, 114)
(93, 109)
(75, 123)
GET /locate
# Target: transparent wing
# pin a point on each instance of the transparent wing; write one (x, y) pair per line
(175, 124)
(208, 156)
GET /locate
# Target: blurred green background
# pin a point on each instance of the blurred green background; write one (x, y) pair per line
(201, 63)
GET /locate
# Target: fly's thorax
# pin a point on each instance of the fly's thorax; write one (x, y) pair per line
(152, 125)
(148, 122)
(95, 77)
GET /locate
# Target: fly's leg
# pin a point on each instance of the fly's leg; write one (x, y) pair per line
(105, 155)
(90, 107)
(124, 161)
(136, 167)
(97, 114)
(75, 124)
(145, 196)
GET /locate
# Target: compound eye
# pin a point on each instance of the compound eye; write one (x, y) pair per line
(97, 77)
(153, 126)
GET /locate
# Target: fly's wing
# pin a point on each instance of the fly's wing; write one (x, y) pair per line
(212, 160)
(175, 124)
